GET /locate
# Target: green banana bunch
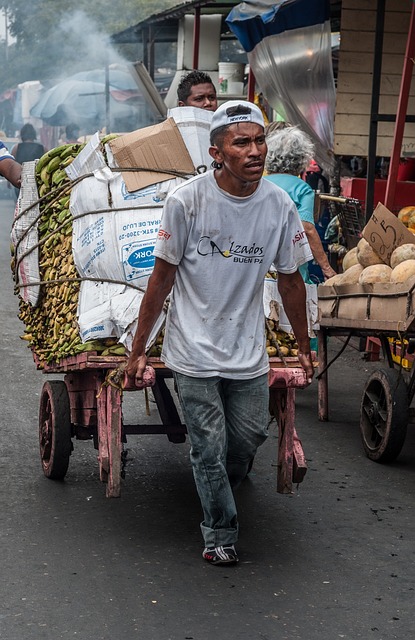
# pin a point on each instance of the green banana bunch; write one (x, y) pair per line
(51, 328)
(61, 152)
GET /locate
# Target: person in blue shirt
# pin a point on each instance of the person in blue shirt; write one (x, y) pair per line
(290, 151)
(9, 168)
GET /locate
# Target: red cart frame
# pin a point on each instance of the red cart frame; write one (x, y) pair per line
(87, 404)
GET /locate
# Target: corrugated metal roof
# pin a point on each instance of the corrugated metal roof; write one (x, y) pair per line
(164, 24)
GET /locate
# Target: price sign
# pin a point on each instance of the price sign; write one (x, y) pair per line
(384, 232)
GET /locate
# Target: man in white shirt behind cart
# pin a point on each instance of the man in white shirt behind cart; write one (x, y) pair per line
(220, 232)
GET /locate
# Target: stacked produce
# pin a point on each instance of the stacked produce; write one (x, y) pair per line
(407, 216)
(279, 343)
(362, 265)
(51, 328)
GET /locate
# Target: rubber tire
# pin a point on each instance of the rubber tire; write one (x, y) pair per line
(55, 433)
(384, 415)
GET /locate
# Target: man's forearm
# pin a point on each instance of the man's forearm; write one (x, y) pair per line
(11, 170)
(159, 287)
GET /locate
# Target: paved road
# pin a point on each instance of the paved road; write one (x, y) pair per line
(334, 560)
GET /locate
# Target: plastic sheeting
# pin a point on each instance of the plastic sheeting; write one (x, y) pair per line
(289, 50)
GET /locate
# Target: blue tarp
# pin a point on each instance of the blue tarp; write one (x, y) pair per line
(251, 22)
(289, 50)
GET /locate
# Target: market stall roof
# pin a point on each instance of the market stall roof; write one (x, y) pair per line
(165, 23)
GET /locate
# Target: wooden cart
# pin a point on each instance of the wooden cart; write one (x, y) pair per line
(87, 404)
(388, 392)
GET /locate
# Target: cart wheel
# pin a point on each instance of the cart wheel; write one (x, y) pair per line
(384, 415)
(55, 429)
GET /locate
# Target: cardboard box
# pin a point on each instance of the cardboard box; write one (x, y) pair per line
(378, 306)
(350, 302)
(160, 146)
(384, 232)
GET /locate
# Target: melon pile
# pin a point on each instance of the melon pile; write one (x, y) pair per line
(407, 217)
(363, 266)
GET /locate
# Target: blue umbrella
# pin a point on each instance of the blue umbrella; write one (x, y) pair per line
(118, 78)
(80, 101)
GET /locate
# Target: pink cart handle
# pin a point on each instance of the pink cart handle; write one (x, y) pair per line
(149, 380)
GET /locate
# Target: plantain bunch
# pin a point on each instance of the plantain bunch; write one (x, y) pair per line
(279, 343)
(51, 328)
(286, 342)
(271, 274)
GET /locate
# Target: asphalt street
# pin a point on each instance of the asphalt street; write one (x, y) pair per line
(333, 560)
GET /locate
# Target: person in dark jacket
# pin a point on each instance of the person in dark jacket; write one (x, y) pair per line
(28, 149)
(72, 133)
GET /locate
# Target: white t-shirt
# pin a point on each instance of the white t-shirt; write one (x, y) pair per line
(223, 246)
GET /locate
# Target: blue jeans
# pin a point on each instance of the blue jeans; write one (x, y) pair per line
(226, 421)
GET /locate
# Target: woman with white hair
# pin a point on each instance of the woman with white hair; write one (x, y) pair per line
(290, 151)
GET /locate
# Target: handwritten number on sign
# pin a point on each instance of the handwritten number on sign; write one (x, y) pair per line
(388, 239)
(378, 241)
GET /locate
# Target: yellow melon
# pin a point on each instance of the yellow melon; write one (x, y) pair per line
(350, 259)
(333, 280)
(402, 253)
(366, 255)
(375, 273)
(403, 271)
(405, 213)
(351, 275)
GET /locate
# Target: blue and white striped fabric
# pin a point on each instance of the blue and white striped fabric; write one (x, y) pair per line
(4, 152)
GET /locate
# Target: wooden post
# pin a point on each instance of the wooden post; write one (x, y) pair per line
(103, 453)
(196, 38)
(323, 394)
(408, 66)
(292, 464)
(109, 438)
(285, 399)
(251, 86)
(114, 422)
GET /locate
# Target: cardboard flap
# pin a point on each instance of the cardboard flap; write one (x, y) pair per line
(160, 146)
(384, 232)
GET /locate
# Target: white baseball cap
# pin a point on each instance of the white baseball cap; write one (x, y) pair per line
(234, 111)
